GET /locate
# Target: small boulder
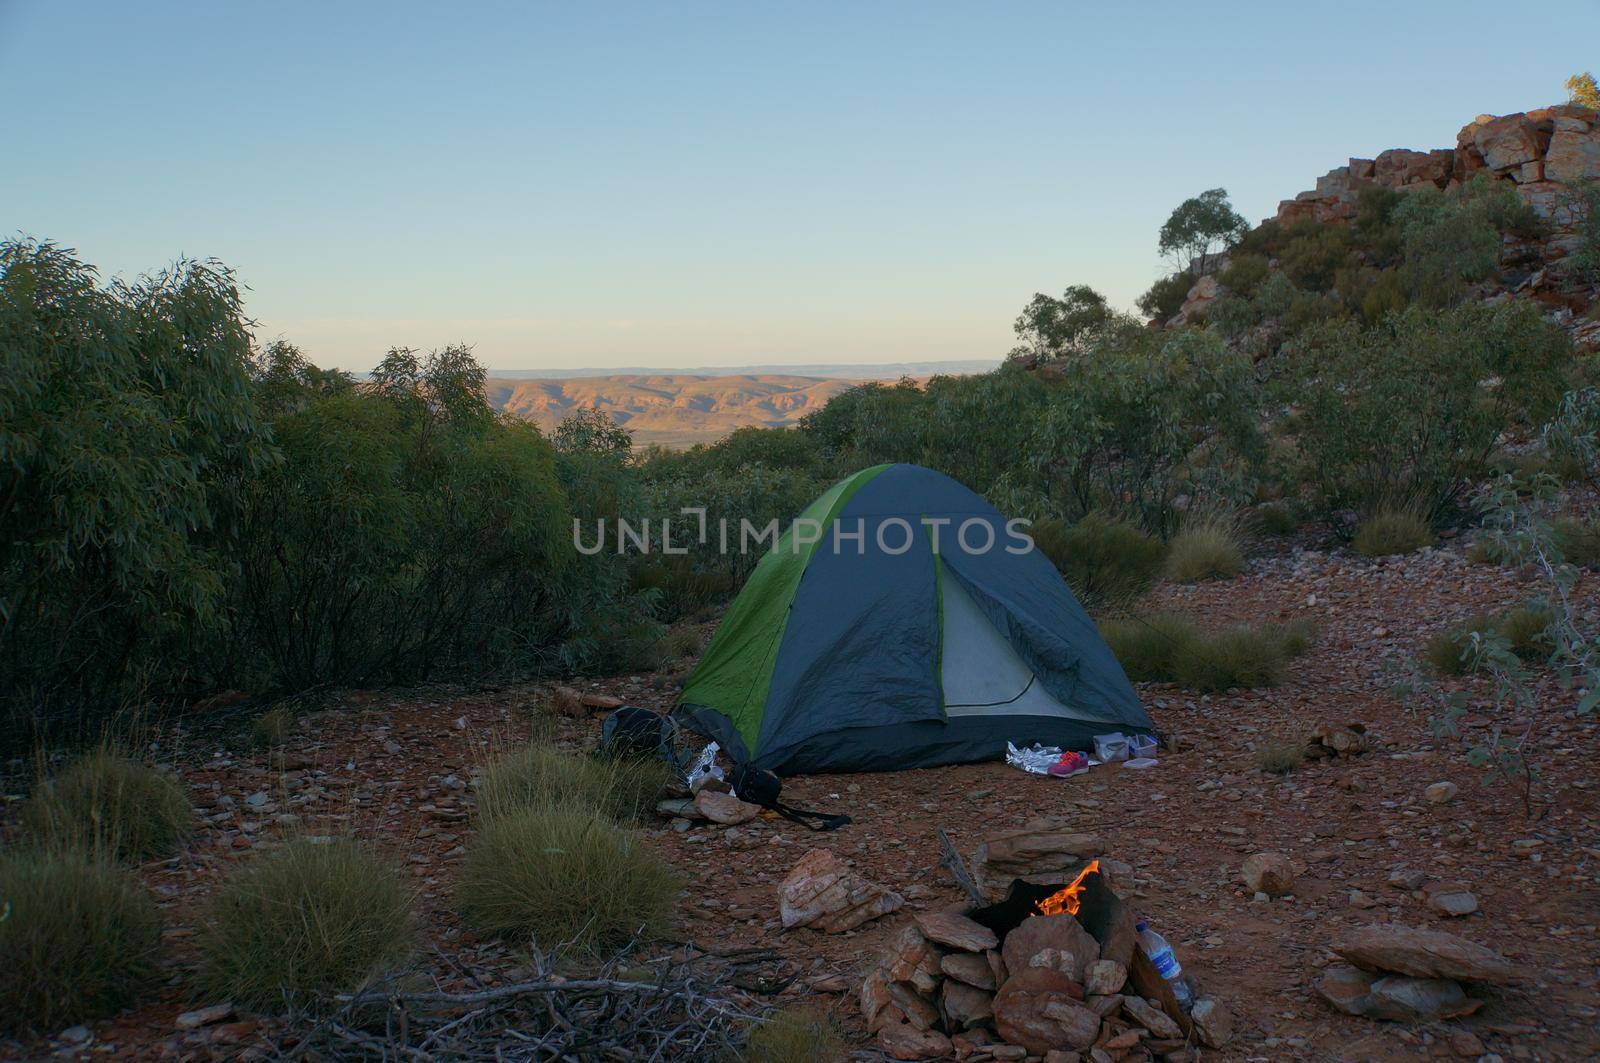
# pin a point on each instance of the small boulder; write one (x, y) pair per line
(964, 1005)
(1440, 792)
(724, 808)
(1212, 1021)
(1270, 873)
(1104, 977)
(821, 892)
(1038, 1009)
(1452, 899)
(1055, 941)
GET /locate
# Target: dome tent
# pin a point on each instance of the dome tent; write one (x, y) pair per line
(901, 622)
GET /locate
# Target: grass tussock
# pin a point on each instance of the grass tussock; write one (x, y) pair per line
(623, 789)
(302, 921)
(1107, 562)
(1272, 518)
(1168, 648)
(794, 1035)
(1393, 531)
(108, 802)
(79, 936)
(1525, 629)
(565, 874)
(1280, 756)
(1208, 549)
(1578, 541)
(272, 728)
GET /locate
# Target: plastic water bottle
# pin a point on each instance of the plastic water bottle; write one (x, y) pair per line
(1166, 962)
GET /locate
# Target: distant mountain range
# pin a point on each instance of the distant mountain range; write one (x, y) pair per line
(826, 370)
(678, 408)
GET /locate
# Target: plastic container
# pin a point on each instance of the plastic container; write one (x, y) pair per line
(1141, 746)
(1166, 962)
(1110, 747)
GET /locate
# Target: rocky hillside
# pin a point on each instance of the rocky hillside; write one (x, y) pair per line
(672, 409)
(1544, 155)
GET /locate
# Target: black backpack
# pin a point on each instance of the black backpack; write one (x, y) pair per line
(640, 733)
(761, 787)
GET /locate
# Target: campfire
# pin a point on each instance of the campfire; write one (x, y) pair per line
(1068, 899)
(1053, 964)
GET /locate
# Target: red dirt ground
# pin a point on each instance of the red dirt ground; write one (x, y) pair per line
(395, 768)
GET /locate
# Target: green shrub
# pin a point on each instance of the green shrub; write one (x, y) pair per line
(1146, 645)
(1450, 651)
(1280, 756)
(303, 921)
(1273, 518)
(1165, 297)
(1578, 541)
(1313, 253)
(624, 790)
(1169, 648)
(1245, 273)
(1105, 561)
(1240, 656)
(1207, 549)
(106, 801)
(794, 1034)
(80, 938)
(1411, 408)
(565, 874)
(1392, 531)
(272, 728)
(1527, 630)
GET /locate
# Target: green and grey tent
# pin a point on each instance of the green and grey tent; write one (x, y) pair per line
(902, 622)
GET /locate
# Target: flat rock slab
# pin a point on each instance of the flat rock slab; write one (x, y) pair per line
(967, 967)
(1151, 1017)
(904, 1041)
(725, 808)
(1423, 954)
(956, 931)
(1397, 997)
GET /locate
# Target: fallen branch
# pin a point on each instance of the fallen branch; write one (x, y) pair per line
(958, 868)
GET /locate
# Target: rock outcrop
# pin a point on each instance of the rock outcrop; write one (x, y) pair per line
(1539, 151)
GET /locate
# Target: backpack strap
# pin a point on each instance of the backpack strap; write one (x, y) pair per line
(761, 787)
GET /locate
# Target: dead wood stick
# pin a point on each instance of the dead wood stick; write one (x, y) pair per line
(958, 868)
(553, 986)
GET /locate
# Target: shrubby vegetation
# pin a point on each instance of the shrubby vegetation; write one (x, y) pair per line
(186, 514)
(297, 923)
(80, 938)
(106, 803)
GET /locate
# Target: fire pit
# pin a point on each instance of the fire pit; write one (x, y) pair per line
(1053, 965)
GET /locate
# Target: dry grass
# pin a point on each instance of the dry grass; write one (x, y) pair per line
(1280, 756)
(107, 802)
(1579, 541)
(565, 874)
(794, 1035)
(625, 790)
(1207, 549)
(1272, 518)
(272, 728)
(302, 921)
(1168, 648)
(79, 936)
(1392, 531)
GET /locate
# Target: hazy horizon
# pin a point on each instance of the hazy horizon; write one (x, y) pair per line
(637, 186)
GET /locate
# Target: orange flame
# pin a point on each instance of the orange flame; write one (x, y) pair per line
(1068, 899)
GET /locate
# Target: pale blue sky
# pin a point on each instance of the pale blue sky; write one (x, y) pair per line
(587, 184)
